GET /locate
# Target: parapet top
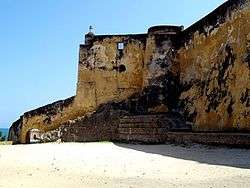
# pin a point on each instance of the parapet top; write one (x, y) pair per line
(160, 30)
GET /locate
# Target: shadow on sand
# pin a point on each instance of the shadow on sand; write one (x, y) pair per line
(232, 157)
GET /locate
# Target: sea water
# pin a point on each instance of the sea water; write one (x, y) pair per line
(4, 132)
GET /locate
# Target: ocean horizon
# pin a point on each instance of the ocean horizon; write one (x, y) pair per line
(5, 132)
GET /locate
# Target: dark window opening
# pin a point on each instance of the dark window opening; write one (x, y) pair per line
(122, 68)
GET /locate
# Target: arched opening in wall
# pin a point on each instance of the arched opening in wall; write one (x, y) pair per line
(33, 136)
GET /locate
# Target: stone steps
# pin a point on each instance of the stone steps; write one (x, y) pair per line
(148, 129)
(144, 128)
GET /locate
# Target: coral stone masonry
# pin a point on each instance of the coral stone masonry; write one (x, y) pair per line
(167, 84)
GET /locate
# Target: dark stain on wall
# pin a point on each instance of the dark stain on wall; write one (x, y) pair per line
(230, 107)
(245, 98)
(229, 60)
(216, 96)
(247, 59)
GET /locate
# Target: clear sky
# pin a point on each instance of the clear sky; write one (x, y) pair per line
(39, 41)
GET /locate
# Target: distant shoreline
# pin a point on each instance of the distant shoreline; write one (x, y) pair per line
(5, 132)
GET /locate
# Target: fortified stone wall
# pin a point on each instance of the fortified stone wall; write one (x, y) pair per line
(199, 76)
(215, 70)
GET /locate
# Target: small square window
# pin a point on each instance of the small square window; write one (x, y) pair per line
(120, 46)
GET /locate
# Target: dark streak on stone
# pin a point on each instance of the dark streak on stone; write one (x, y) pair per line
(247, 60)
(217, 94)
(229, 60)
(230, 107)
(245, 98)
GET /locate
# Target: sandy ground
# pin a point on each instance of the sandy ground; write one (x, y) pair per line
(121, 165)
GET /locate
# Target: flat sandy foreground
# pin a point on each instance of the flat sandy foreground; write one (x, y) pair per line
(103, 165)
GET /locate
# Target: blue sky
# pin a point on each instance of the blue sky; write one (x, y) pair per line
(39, 41)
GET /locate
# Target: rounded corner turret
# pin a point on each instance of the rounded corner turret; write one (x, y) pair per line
(165, 29)
(89, 37)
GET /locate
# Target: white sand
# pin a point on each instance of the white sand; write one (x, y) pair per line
(120, 165)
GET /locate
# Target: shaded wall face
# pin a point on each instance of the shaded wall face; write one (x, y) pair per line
(109, 70)
(215, 75)
(160, 73)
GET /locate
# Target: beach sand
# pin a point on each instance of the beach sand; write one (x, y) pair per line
(71, 165)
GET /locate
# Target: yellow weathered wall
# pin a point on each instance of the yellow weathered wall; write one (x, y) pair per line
(201, 66)
(59, 116)
(99, 81)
